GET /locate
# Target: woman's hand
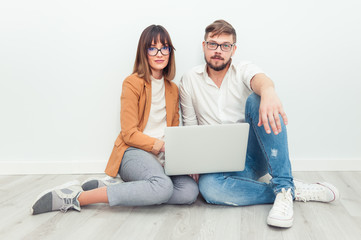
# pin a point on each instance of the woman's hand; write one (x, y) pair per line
(195, 177)
(162, 149)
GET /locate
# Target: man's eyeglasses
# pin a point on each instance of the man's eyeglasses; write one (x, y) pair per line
(225, 47)
(152, 51)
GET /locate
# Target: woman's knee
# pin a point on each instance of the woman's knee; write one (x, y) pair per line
(138, 164)
(191, 191)
(162, 187)
(185, 190)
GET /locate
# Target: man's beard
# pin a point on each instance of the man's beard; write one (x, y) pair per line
(218, 68)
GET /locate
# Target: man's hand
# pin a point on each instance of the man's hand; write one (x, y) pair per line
(270, 110)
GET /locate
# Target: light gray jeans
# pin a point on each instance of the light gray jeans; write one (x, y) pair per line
(145, 183)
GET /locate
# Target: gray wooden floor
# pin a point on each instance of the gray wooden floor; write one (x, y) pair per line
(341, 220)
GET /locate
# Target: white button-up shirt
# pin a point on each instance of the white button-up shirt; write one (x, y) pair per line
(203, 103)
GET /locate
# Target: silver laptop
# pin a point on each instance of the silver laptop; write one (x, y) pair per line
(206, 148)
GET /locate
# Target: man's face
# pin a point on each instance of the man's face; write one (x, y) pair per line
(218, 59)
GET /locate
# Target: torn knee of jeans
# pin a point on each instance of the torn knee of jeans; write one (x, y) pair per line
(274, 152)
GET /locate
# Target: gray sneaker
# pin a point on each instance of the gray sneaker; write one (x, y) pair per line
(92, 183)
(60, 198)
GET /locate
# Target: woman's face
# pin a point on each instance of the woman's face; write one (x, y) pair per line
(158, 62)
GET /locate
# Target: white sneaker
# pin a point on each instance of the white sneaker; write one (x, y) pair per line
(320, 192)
(92, 183)
(281, 214)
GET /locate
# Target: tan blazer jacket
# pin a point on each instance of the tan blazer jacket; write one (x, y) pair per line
(136, 100)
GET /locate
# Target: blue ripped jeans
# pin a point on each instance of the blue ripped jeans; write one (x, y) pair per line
(266, 153)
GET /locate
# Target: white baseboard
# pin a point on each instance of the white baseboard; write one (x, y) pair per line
(326, 165)
(95, 167)
(51, 167)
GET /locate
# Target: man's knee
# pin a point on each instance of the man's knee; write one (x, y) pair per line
(253, 102)
(221, 190)
(209, 185)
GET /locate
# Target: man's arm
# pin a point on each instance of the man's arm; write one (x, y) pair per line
(271, 106)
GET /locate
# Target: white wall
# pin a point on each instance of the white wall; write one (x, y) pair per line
(62, 64)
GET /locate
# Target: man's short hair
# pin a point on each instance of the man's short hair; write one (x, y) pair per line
(219, 27)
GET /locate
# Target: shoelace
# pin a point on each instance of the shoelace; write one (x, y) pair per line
(308, 193)
(283, 206)
(67, 203)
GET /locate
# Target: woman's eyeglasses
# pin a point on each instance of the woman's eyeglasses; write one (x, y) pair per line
(152, 51)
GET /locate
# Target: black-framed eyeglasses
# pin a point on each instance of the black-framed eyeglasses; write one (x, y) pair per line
(152, 51)
(225, 47)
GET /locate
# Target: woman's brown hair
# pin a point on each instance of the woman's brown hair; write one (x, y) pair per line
(153, 33)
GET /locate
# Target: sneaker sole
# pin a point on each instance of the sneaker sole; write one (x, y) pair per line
(65, 185)
(280, 223)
